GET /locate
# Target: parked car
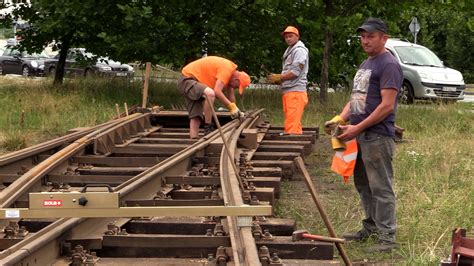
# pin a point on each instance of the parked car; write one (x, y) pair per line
(81, 63)
(425, 75)
(15, 62)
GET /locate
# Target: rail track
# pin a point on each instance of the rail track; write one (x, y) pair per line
(183, 186)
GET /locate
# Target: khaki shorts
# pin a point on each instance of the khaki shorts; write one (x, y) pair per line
(193, 91)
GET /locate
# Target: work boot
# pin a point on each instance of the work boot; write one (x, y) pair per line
(208, 128)
(382, 246)
(360, 235)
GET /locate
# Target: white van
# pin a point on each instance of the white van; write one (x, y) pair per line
(425, 76)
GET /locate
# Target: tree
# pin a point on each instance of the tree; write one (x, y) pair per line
(245, 31)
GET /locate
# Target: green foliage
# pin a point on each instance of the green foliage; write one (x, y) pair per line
(248, 32)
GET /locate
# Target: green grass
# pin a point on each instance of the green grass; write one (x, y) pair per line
(433, 167)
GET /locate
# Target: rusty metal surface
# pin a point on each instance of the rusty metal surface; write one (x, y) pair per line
(152, 162)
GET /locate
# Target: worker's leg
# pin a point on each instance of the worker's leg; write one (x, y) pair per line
(377, 153)
(362, 185)
(193, 93)
(211, 95)
(194, 124)
(293, 107)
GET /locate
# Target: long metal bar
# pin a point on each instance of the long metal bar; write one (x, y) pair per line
(16, 213)
(244, 247)
(226, 146)
(321, 210)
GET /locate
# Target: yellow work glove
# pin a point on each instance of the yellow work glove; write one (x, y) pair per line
(274, 78)
(234, 111)
(334, 122)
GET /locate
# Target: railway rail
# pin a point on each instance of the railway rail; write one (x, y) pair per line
(138, 191)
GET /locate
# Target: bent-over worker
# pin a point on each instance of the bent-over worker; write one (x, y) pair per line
(210, 77)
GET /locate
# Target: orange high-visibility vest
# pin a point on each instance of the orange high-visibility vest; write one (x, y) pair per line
(343, 162)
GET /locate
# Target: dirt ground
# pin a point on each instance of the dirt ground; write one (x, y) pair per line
(340, 201)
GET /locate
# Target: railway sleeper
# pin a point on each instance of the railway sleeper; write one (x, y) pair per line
(258, 181)
(278, 136)
(262, 193)
(200, 225)
(199, 246)
(307, 145)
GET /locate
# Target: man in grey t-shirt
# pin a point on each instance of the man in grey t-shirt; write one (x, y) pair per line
(293, 80)
(371, 112)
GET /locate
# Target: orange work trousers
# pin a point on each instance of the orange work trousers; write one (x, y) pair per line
(293, 107)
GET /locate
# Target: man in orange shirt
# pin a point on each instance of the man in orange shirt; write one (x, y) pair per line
(210, 77)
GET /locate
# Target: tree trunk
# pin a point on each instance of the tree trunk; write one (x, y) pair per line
(325, 67)
(59, 75)
(328, 38)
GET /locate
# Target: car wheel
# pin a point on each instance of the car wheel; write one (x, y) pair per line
(406, 93)
(52, 72)
(25, 71)
(1, 70)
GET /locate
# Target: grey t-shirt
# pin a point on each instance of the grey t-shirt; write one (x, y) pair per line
(295, 60)
(374, 74)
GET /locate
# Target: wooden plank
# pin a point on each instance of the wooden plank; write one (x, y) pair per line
(111, 170)
(186, 141)
(119, 161)
(263, 194)
(165, 241)
(266, 171)
(286, 249)
(280, 148)
(81, 180)
(311, 138)
(274, 156)
(287, 166)
(143, 148)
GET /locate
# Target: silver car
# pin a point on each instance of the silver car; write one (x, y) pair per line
(425, 76)
(78, 65)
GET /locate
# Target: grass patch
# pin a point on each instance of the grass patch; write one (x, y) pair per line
(433, 167)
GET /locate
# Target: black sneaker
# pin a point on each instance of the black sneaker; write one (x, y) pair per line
(383, 246)
(208, 128)
(360, 235)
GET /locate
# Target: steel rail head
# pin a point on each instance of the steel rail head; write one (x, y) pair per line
(243, 243)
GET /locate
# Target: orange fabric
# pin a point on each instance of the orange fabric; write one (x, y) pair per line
(343, 162)
(290, 29)
(293, 107)
(209, 69)
(244, 81)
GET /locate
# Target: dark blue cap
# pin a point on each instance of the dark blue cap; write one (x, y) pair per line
(373, 24)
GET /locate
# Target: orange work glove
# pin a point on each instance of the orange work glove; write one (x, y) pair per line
(274, 78)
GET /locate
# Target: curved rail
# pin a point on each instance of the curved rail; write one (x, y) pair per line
(138, 185)
(243, 242)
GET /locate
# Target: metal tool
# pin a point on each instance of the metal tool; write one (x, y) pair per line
(304, 234)
(106, 204)
(322, 212)
(216, 120)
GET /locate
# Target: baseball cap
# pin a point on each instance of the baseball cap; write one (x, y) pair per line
(373, 24)
(290, 29)
(244, 80)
